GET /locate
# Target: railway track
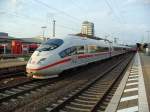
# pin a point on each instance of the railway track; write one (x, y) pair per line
(9, 96)
(89, 98)
(12, 72)
(9, 93)
(12, 75)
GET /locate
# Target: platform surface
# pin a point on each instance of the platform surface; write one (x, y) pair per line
(133, 92)
(145, 61)
(11, 62)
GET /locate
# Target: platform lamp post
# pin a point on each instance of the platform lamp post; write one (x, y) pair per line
(148, 43)
(54, 22)
(4, 48)
(110, 44)
(43, 28)
(116, 40)
(106, 37)
(148, 36)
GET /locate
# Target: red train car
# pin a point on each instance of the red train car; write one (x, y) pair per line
(1, 49)
(32, 47)
(25, 48)
(16, 47)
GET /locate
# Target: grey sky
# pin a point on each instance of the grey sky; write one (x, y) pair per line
(127, 20)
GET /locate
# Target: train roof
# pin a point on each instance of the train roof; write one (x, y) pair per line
(73, 39)
(121, 46)
(80, 40)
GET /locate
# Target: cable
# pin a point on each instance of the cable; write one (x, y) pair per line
(106, 1)
(60, 11)
(78, 7)
(117, 10)
(66, 27)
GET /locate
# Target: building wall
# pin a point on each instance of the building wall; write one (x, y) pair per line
(87, 28)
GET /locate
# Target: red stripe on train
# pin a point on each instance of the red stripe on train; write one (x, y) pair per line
(91, 55)
(54, 64)
(66, 60)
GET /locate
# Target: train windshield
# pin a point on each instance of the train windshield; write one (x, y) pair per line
(50, 44)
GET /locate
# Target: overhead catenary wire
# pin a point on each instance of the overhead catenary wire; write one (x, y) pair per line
(66, 27)
(37, 20)
(78, 7)
(58, 10)
(117, 10)
(110, 7)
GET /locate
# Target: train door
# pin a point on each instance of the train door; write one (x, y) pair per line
(74, 59)
(110, 50)
(74, 56)
(81, 55)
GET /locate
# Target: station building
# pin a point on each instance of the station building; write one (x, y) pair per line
(87, 28)
(12, 45)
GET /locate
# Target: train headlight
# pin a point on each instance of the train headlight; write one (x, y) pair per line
(41, 60)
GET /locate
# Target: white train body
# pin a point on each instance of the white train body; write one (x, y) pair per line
(57, 55)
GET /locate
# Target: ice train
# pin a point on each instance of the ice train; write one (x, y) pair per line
(59, 54)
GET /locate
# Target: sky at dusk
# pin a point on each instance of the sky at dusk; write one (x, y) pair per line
(127, 20)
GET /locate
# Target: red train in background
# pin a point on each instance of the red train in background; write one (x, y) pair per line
(16, 47)
(1, 49)
(32, 47)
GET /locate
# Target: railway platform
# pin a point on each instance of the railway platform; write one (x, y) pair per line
(132, 94)
(7, 63)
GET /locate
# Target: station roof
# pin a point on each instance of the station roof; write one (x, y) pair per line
(8, 39)
(32, 40)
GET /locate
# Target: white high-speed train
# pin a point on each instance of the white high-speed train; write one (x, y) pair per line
(59, 54)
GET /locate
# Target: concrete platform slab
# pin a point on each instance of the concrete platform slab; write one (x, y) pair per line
(131, 94)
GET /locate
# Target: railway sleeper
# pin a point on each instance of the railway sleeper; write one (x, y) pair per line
(93, 93)
(5, 103)
(9, 92)
(88, 98)
(105, 103)
(20, 97)
(13, 100)
(99, 87)
(22, 88)
(3, 95)
(62, 111)
(90, 95)
(28, 86)
(80, 105)
(102, 107)
(84, 101)
(94, 90)
(16, 90)
(75, 109)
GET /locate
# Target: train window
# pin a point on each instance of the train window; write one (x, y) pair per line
(80, 49)
(68, 52)
(102, 49)
(96, 49)
(57, 42)
(117, 48)
(62, 54)
(92, 48)
(50, 44)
